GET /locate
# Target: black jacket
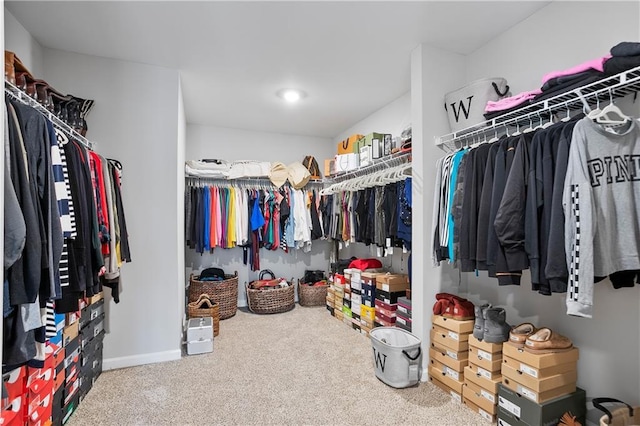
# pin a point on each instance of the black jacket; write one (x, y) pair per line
(484, 210)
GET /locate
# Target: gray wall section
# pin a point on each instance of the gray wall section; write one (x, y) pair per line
(18, 40)
(135, 120)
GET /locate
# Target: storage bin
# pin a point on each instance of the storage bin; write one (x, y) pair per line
(224, 293)
(273, 301)
(396, 356)
(312, 295)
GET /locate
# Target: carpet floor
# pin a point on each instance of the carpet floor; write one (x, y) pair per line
(302, 367)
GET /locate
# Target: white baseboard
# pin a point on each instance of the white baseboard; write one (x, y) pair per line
(134, 360)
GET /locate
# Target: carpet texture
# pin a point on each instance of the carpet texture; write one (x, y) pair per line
(300, 367)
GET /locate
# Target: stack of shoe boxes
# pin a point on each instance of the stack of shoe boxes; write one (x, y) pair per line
(14, 401)
(91, 338)
(403, 313)
(331, 292)
(356, 298)
(346, 301)
(338, 297)
(389, 287)
(449, 354)
(368, 297)
(482, 376)
(66, 398)
(536, 381)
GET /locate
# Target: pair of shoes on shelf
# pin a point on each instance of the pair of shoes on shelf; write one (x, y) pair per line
(491, 324)
(538, 341)
(454, 307)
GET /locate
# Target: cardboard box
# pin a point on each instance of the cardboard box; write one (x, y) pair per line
(347, 320)
(483, 371)
(488, 361)
(450, 382)
(392, 283)
(389, 297)
(339, 315)
(59, 380)
(481, 397)
(366, 323)
(389, 143)
(386, 313)
(41, 410)
(392, 307)
(384, 323)
(69, 408)
(458, 356)
(96, 297)
(406, 327)
(538, 373)
(14, 412)
(329, 167)
(404, 306)
(441, 336)
(538, 397)
(347, 312)
(70, 332)
(368, 290)
(366, 156)
(367, 140)
(540, 361)
(460, 327)
(538, 385)
(72, 317)
(455, 396)
(400, 320)
(380, 317)
(490, 385)
(356, 299)
(492, 348)
(451, 372)
(369, 278)
(356, 308)
(488, 417)
(513, 406)
(443, 358)
(369, 301)
(14, 382)
(367, 312)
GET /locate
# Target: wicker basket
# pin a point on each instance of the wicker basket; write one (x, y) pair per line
(204, 307)
(224, 293)
(312, 295)
(271, 301)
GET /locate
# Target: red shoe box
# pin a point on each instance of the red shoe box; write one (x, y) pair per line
(391, 307)
(380, 317)
(14, 382)
(14, 413)
(42, 411)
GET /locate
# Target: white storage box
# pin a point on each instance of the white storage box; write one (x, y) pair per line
(465, 106)
(347, 162)
(200, 335)
(396, 356)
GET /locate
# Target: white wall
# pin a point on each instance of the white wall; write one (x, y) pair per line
(135, 120)
(609, 352)
(19, 41)
(235, 144)
(391, 118)
(428, 86)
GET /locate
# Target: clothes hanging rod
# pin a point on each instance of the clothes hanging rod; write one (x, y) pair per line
(613, 87)
(21, 96)
(243, 181)
(388, 161)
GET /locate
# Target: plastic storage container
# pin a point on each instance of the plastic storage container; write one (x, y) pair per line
(396, 356)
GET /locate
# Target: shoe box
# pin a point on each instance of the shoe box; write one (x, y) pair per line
(40, 385)
(540, 377)
(448, 355)
(14, 402)
(60, 324)
(404, 323)
(389, 297)
(385, 313)
(516, 410)
(482, 376)
(392, 283)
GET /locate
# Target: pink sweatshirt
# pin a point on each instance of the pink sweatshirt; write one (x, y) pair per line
(596, 64)
(512, 101)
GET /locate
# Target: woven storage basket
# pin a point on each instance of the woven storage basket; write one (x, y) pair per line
(312, 295)
(271, 301)
(224, 293)
(204, 307)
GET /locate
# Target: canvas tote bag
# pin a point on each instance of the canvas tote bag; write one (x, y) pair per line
(465, 106)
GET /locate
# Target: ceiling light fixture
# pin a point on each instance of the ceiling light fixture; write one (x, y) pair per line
(291, 95)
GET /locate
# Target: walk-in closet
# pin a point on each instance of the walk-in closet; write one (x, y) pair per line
(321, 213)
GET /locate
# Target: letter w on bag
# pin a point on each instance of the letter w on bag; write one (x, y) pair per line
(380, 361)
(460, 106)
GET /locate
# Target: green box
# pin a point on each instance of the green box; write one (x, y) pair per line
(368, 139)
(347, 312)
(517, 410)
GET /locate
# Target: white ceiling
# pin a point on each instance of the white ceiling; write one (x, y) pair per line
(352, 58)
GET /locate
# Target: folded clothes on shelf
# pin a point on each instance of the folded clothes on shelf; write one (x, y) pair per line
(512, 101)
(594, 64)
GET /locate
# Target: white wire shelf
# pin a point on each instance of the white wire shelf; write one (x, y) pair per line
(21, 96)
(388, 161)
(581, 98)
